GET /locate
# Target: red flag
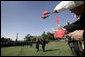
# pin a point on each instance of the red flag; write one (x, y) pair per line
(57, 19)
(44, 17)
(45, 13)
(59, 33)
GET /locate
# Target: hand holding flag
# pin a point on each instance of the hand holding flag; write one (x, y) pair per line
(54, 30)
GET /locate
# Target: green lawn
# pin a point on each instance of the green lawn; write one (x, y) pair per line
(52, 49)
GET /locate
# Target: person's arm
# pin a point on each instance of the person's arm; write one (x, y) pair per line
(54, 30)
(65, 5)
(76, 35)
(79, 24)
(72, 27)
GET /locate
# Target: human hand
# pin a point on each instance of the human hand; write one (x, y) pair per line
(54, 30)
(76, 35)
(55, 11)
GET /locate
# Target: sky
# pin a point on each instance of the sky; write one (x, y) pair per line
(24, 17)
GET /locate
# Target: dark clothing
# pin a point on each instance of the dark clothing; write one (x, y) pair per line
(43, 44)
(37, 45)
(78, 25)
(74, 47)
(31, 44)
(43, 47)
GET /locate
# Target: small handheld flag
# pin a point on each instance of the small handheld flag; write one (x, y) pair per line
(57, 19)
(59, 34)
(44, 17)
(45, 13)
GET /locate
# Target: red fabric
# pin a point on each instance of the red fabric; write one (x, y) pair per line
(44, 17)
(59, 33)
(57, 19)
(45, 12)
(82, 29)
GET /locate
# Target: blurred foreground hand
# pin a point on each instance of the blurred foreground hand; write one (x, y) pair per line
(55, 11)
(54, 30)
(76, 35)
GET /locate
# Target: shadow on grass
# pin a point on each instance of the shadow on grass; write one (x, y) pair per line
(52, 50)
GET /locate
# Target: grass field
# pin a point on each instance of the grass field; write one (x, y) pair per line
(52, 49)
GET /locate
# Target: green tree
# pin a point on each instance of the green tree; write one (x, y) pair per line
(27, 37)
(50, 36)
(6, 39)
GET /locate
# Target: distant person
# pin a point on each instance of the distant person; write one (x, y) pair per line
(43, 44)
(31, 43)
(37, 44)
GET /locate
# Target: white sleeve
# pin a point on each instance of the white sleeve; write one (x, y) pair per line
(64, 5)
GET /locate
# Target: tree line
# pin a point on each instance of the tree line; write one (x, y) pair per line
(28, 39)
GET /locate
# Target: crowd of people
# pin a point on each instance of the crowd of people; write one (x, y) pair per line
(10, 44)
